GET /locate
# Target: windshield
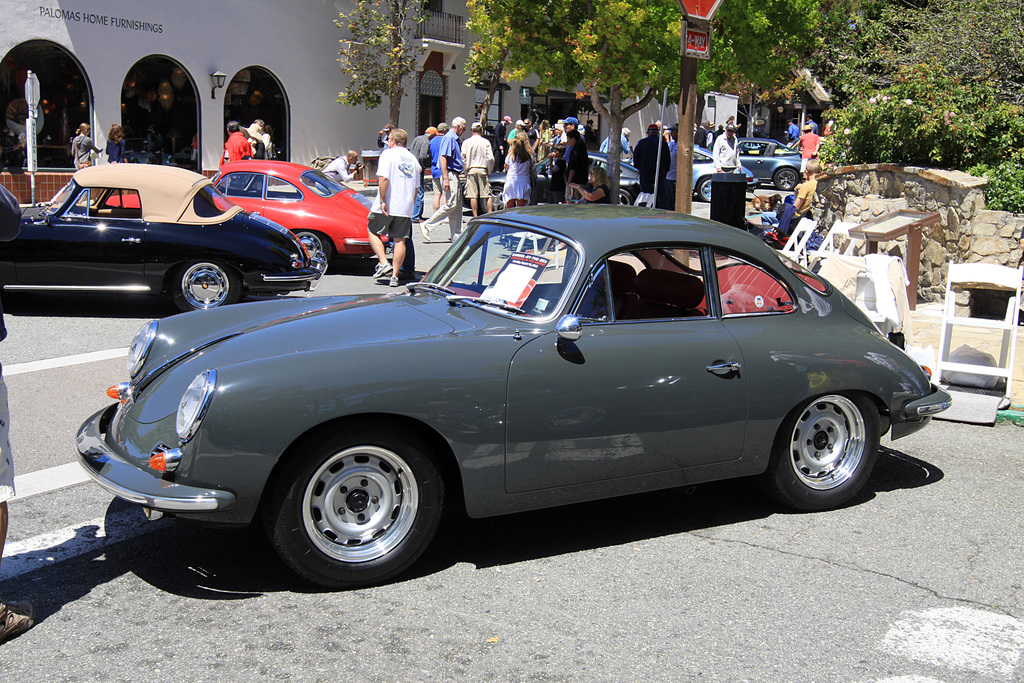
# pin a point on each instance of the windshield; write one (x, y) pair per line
(59, 199)
(511, 266)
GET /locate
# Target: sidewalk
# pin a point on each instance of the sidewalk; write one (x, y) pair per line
(928, 326)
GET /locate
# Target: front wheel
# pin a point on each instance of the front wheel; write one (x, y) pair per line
(824, 453)
(704, 189)
(203, 285)
(625, 198)
(785, 179)
(357, 507)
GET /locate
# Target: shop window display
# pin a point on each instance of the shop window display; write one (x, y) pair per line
(65, 103)
(254, 93)
(160, 114)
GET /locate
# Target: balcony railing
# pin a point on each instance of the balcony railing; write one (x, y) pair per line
(442, 26)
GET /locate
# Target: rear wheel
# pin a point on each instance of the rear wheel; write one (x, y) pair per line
(625, 198)
(202, 285)
(356, 507)
(319, 240)
(824, 453)
(785, 179)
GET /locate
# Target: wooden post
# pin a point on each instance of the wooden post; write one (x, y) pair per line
(687, 117)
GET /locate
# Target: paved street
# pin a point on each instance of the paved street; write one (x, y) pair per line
(919, 579)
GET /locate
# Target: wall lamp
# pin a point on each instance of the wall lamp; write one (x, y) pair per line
(217, 78)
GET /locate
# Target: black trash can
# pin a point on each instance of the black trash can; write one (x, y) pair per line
(728, 198)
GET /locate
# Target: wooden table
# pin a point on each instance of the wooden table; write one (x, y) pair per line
(897, 224)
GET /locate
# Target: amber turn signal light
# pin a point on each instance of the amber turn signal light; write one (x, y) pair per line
(121, 391)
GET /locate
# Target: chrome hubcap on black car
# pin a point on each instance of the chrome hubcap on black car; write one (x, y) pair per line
(360, 504)
(204, 285)
(828, 442)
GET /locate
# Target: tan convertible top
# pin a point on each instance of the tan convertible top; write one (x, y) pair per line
(166, 192)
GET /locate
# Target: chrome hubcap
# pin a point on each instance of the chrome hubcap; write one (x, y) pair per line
(204, 285)
(828, 442)
(360, 504)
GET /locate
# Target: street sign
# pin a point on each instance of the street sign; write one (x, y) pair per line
(703, 10)
(32, 97)
(698, 43)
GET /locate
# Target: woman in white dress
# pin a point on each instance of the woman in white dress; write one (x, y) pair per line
(518, 164)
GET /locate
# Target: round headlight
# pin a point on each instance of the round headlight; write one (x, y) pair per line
(194, 403)
(140, 347)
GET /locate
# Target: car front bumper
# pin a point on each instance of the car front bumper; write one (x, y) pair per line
(125, 480)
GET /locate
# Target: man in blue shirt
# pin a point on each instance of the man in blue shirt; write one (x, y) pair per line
(449, 163)
(623, 142)
(792, 133)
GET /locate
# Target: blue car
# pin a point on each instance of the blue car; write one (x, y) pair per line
(704, 168)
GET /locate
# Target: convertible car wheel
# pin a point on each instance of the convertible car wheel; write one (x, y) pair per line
(824, 453)
(320, 242)
(355, 508)
(206, 285)
(785, 179)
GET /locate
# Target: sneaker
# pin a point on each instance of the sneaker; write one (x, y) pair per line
(15, 619)
(426, 233)
(382, 269)
(393, 282)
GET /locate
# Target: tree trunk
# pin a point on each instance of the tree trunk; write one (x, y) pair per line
(492, 87)
(616, 114)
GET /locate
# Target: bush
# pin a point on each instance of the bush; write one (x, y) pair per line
(1005, 191)
(926, 118)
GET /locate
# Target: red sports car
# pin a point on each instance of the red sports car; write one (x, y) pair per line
(302, 199)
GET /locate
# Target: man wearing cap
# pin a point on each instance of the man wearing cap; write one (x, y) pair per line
(450, 164)
(726, 153)
(652, 169)
(478, 160)
(15, 617)
(809, 143)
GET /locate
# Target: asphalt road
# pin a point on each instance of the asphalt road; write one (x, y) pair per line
(919, 579)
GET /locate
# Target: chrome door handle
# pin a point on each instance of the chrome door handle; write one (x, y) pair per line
(133, 240)
(724, 368)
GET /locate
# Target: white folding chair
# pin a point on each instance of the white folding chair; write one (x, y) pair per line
(796, 246)
(828, 244)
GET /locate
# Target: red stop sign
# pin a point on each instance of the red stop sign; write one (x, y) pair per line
(699, 9)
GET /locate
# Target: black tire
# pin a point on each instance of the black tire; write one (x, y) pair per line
(704, 189)
(201, 285)
(625, 198)
(322, 242)
(786, 179)
(355, 507)
(824, 453)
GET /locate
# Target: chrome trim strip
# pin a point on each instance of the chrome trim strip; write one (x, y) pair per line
(84, 288)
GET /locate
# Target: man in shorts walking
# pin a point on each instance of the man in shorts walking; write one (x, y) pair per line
(15, 617)
(399, 176)
(478, 160)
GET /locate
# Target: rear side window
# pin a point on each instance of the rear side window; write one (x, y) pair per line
(282, 189)
(747, 289)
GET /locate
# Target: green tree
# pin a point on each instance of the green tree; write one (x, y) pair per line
(380, 52)
(620, 52)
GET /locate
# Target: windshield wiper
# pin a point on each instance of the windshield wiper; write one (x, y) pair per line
(432, 286)
(486, 302)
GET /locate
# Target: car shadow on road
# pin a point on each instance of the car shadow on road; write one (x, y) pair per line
(87, 305)
(238, 564)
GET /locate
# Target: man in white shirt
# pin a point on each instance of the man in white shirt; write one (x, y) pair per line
(727, 152)
(339, 168)
(398, 174)
(478, 160)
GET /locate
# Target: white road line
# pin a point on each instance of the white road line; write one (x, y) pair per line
(44, 481)
(968, 640)
(63, 361)
(50, 548)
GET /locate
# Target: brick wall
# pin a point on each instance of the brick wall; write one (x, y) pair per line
(47, 184)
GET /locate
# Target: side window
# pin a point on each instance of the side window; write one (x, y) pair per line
(647, 284)
(746, 289)
(119, 204)
(249, 185)
(753, 149)
(80, 209)
(282, 189)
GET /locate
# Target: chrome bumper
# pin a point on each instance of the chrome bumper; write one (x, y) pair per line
(311, 276)
(125, 480)
(933, 403)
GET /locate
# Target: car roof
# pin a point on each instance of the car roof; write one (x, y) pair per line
(601, 229)
(281, 168)
(165, 191)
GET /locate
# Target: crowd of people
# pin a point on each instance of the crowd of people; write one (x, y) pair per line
(254, 142)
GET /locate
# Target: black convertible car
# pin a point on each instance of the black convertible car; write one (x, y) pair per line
(154, 229)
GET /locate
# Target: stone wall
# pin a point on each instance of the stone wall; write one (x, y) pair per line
(966, 233)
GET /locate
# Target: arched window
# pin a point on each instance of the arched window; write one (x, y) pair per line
(254, 93)
(65, 102)
(160, 113)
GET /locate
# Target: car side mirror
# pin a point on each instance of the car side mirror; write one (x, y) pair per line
(569, 328)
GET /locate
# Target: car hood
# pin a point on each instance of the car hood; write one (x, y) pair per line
(191, 343)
